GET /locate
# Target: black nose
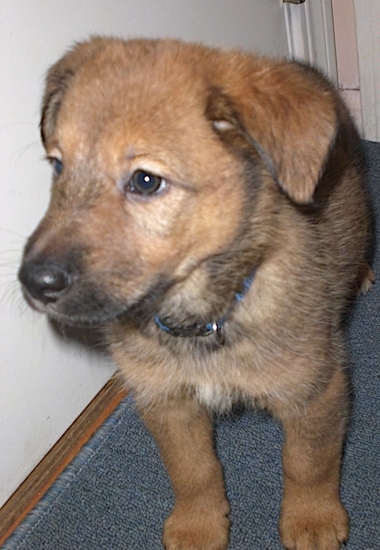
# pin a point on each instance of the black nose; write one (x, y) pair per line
(45, 280)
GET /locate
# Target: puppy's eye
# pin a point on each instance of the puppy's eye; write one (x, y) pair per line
(57, 165)
(145, 183)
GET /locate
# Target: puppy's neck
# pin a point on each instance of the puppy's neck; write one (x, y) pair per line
(214, 327)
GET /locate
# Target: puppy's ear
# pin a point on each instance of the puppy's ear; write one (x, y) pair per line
(286, 111)
(58, 80)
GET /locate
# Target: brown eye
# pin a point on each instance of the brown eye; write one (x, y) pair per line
(145, 183)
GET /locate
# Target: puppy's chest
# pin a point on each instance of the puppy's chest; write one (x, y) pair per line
(218, 378)
(219, 395)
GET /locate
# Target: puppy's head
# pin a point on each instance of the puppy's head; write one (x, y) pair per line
(169, 160)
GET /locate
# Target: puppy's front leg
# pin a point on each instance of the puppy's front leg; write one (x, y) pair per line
(312, 516)
(183, 431)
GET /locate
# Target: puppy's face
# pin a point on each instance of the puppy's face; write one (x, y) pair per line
(160, 175)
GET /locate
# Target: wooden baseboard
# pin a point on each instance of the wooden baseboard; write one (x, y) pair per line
(63, 452)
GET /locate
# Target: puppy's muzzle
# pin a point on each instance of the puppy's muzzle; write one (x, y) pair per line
(45, 280)
(60, 286)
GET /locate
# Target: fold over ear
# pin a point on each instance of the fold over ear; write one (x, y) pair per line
(288, 112)
(57, 81)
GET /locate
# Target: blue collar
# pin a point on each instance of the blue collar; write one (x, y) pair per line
(213, 327)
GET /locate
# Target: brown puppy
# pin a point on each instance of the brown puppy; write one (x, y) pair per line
(208, 210)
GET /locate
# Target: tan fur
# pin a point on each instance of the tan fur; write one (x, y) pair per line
(262, 175)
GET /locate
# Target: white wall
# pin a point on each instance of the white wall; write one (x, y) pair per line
(46, 381)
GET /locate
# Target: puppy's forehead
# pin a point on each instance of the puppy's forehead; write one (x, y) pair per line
(141, 93)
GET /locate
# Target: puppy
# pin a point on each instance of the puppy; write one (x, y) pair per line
(208, 210)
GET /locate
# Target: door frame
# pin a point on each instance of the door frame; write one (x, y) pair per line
(310, 33)
(367, 17)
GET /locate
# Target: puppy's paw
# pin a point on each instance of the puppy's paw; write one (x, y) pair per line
(197, 528)
(314, 526)
(366, 279)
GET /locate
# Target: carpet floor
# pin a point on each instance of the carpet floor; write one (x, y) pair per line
(115, 495)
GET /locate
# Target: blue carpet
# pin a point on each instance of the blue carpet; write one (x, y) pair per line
(115, 495)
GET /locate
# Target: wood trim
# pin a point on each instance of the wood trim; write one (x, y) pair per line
(52, 465)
